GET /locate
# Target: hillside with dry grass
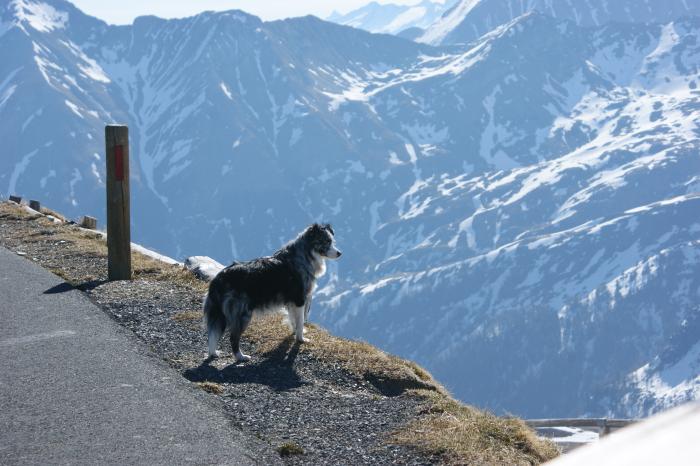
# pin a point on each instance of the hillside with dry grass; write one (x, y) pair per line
(331, 400)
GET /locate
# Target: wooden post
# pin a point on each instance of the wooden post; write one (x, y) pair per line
(36, 205)
(118, 204)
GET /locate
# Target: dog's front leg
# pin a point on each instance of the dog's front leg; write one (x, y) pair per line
(297, 315)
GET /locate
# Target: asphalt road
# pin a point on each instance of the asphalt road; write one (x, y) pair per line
(77, 388)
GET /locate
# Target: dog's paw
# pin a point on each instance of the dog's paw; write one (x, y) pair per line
(240, 357)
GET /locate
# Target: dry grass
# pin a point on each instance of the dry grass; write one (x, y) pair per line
(147, 267)
(63, 274)
(82, 241)
(211, 387)
(187, 316)
(10, 208)
(445, 428)
(93, 244)
(290, 448)
(12, 211)
(53, 213)
(461, 434)
(390, 374)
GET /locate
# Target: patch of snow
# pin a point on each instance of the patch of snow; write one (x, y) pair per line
(443, 26)
(7, 89)
(225, 90)
(87, 65)
(31, 117)
(40, 16)
(176, 169)
(394, 160)
(375, 219)
(44, 179)
(96, 173)
(74, 108)
(18, 170)
(404, 19)
(6, 94)
(295, 137)
(493, 136)
(572, 435)
(426, 133)
(372, 287)
(77, 177)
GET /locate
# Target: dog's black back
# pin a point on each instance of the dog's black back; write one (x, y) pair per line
(262, 281)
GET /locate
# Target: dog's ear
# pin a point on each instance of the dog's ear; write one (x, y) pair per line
(319, 228)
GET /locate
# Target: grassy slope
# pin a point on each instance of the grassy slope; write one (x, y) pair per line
(446, 428)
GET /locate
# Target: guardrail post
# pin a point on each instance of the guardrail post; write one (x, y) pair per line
(88, 222)
(118, 203)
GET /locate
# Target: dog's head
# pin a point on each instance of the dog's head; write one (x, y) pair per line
(322, 238)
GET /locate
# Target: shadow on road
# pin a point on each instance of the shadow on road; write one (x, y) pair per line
(85, 286)
(60, 288)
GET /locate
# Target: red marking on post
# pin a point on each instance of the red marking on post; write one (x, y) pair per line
(119, 163)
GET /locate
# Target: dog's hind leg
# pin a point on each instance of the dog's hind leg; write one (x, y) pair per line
(296, 316)
(240, 318)
(307, 308)
(216, 323)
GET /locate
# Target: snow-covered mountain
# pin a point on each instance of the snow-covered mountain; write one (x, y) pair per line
(518, 214)
(390, 18)
(470, 19)
(670, 378)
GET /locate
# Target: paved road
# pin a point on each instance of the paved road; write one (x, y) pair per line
(77, 388)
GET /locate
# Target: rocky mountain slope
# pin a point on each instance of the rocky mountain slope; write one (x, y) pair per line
(470, 19)
(518, 211)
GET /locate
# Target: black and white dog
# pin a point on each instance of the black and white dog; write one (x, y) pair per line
(284, 280)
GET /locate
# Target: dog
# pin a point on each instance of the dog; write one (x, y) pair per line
(284, 280)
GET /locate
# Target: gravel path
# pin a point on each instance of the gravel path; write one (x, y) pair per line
(287, 397)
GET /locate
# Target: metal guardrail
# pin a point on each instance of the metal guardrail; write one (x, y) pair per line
(604, 425)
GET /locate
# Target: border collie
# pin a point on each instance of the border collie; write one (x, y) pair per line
(284, 280)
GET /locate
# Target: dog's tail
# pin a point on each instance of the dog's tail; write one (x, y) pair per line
(215, 322)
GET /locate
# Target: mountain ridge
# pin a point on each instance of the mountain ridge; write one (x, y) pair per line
(488, 196)
(470, 19)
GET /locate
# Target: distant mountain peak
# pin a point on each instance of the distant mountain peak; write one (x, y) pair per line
(39, 15)
(391, 18)
(452, 18)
